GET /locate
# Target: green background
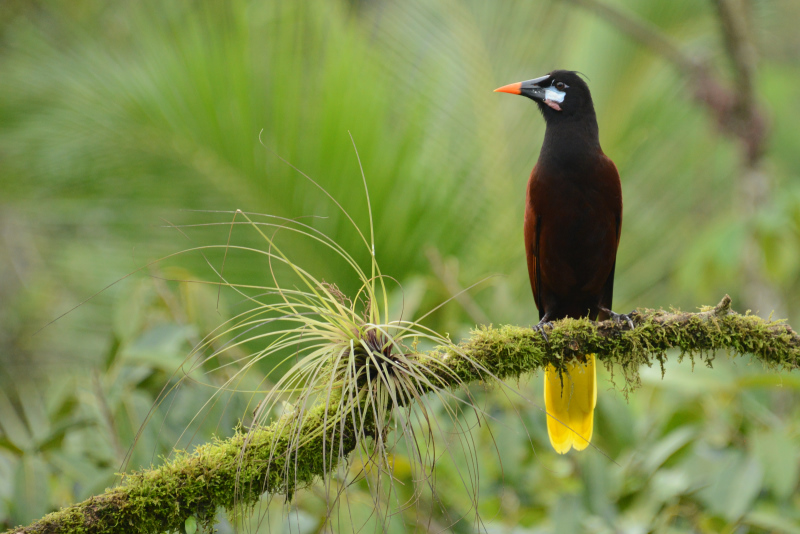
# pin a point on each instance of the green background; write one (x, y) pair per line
(119, 120)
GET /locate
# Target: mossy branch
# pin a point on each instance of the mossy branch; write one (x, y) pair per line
(510, 351)
(286, 456)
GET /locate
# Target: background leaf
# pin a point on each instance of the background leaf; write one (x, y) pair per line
(117, 121)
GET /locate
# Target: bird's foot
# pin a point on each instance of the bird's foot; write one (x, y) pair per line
(620, 318)
(540, 328)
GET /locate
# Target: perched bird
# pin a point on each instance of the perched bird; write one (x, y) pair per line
(573, 217)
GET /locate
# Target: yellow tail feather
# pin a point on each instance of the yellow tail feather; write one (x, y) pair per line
(570, 407)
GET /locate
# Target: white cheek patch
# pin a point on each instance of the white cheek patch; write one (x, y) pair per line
(554, 95)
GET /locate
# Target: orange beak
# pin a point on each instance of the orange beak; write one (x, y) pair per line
(513, 88)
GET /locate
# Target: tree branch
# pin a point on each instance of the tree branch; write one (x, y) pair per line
(279, 459)
(645, 33)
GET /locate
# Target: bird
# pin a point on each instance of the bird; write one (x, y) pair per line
(572, 225)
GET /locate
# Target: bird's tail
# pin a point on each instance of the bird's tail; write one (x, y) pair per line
(569, 400)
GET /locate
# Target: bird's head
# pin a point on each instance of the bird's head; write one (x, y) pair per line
(559, 94)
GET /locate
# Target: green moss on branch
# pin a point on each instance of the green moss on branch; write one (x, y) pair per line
(510, 351)
(279, 459)
(224, 473)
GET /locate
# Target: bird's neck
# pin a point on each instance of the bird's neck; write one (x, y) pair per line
(571, 142)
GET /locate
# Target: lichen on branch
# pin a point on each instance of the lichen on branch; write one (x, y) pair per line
(287, 455)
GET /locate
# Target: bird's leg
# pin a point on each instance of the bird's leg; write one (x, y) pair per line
(621, 317)
(541, 324)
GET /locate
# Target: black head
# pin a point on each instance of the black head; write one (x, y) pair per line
(561, 95)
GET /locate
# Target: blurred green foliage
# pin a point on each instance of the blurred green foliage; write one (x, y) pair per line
(116, 118)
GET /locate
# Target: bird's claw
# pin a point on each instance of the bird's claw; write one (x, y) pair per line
(540, 328)
(619, 318)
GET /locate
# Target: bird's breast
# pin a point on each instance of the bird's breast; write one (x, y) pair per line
(578, 220)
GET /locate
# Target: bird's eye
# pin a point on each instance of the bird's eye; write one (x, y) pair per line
(561, 86)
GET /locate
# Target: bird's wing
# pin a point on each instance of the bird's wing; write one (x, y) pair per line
(618, 207)
(608, 289)
(532, 231)
(608, 294)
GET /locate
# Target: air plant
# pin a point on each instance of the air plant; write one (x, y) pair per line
(352, 368)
